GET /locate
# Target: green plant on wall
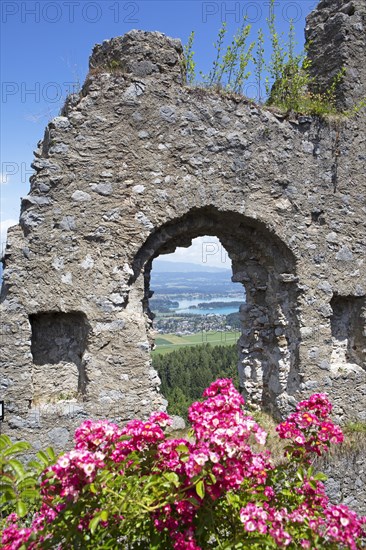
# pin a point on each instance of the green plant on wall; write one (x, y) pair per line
(259, 63)
(288, 73)
(286, 76)
(188, 63)
(229, 68)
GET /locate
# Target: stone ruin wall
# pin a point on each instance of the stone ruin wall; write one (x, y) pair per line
(138, 164)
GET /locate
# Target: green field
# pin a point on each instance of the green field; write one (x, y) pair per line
(170, 342)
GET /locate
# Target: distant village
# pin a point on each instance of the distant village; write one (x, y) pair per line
(185, 324)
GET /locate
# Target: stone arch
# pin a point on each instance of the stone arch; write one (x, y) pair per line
(264, 265)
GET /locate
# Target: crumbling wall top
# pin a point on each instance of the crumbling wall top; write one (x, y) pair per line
(336, 39)
(140, 53)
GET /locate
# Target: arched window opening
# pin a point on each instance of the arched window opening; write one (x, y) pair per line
(194, 307)
(268, 365)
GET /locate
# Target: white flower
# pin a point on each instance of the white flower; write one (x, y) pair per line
(88, 468)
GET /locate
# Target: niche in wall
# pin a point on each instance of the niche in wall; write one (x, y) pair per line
(348, 330)
(60, 338)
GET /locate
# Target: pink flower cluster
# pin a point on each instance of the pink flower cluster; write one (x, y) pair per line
(218, 462)
(314, 494)
(13, 536)
(71, 473)
(222, 431)
(310, 428)
(178, 520)
(267, 520)
(140, 436)
(343, 525)
(96, 435)
(338, 524)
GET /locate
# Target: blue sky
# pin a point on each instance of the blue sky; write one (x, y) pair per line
(45, 46)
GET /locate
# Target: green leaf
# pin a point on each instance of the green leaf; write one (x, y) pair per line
(300, 475)
(21, 508)
(7, 495)
(320, 477)
(27, 482)
(194, 502)
(17, 467)
(42, 456)
(104, 515)
(232, 498)
(29, 494)
(182, 448)
(35, 465)
(93, 524)
(5, 441)
(172, 478)
(287, 493)
(200, 489)
(47, 457)
(51, 453)
(17, 448)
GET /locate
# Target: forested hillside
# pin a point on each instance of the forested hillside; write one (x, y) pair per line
(185, 373)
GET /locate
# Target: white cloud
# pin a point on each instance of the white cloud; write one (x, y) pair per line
(4, 226)
(204, 250)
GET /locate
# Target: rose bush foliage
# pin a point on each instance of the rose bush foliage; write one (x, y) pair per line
(134, 488)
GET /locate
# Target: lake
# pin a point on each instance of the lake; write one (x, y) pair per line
(224, 310)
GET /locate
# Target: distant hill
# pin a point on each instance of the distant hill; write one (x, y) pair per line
(163, 266)
(203, 280)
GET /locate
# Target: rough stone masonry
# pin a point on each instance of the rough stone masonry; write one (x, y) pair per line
(138, 164)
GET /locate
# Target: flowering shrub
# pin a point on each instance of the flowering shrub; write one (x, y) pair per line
(134, 488)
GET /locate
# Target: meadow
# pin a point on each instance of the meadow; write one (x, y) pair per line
(170, 342)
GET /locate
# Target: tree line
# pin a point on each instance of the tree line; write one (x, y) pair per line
(187, 372)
